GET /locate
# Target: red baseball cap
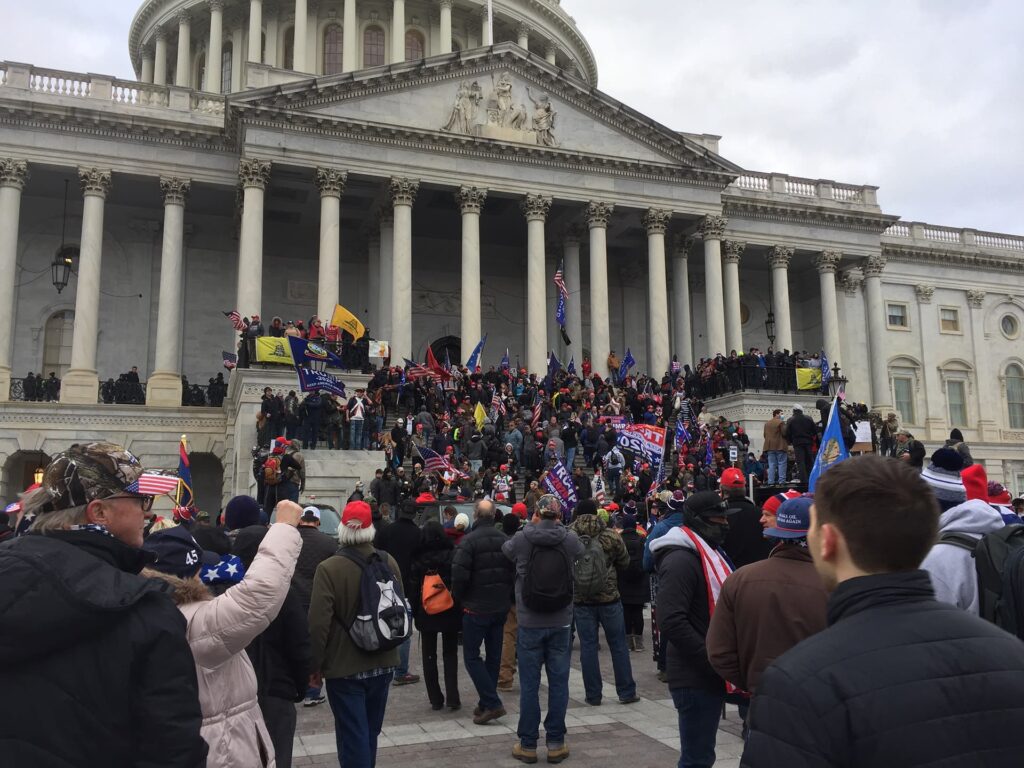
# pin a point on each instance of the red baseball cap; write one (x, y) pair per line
(733, 478)
(357, 515)
(519, 509)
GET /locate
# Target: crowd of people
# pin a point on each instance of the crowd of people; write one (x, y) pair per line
(354, 353)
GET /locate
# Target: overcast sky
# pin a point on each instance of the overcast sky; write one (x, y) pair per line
(919, 97)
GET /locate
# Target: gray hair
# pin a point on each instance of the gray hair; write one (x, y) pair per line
(60, 520)
(350, 537)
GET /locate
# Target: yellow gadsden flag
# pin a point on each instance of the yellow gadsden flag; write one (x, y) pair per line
(270, 349)
(480, 415)
(808, 378)
(345, 320)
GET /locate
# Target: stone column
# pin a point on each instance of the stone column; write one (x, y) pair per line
(13, 177)
(486, 38)
(215, 48)
(711, 230)
(255, 32)
(574, 308)
(656, 221)
(779, 257)
(471, 202)
(986, 381)
(446, 26)
(536, 208)
(386, 217)
(147, 65)
(551, 53)
(181, 75)
(398, 32)
(827, 262)
(160, 58)
(254, 175)
(598, 215)
(881, 398)
(237, 61)
(731, 286)
(301, 31)
(523, 33)
(349, 30)
(331, 183)
(403, 194)
(164, 385)
(373, 283)
(271, 20)
(81, 384)
(682, 340)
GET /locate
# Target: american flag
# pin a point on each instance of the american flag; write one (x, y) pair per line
(236, 319)
(560, 283)
(151, 484)
(417, 371)
(599, 495)
(536, 413)
(435, 462)
(676, 366)
(498, 404)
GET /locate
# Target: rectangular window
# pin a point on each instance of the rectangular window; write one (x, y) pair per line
(949, 320)
(225, 69)
(1015, 396)
(896, 315)
(956, 396)
(903, 393)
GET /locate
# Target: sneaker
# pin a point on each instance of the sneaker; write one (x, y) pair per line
(558, 754)
(505, 687)
(630, 699)
(524, 755)
(313, 702)
(489, 714)
(405, 679)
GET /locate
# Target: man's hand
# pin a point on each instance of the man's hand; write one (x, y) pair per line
(288, 512)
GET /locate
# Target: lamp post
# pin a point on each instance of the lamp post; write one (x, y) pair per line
(837, 382)
(769, 328)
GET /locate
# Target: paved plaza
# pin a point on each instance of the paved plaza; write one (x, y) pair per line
(641, 735)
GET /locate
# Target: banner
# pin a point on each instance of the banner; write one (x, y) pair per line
(317, 381)
(312, 354)
(832, 449)
(644, 440)
(308, 354)
(480, 415)
(348, 322)
(381, 349)
(808, 378)
(558, 481)
(271, 349)
(617, 422)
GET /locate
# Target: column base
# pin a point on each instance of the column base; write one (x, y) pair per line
(81, 387)
(164, 389)
(5, 384)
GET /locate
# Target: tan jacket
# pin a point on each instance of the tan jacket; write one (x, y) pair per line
(613, 363)
(219, 629)
(773, 439)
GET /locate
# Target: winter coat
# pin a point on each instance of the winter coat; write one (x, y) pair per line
(482, 577)
(898, 680)
(546, 533)
(219, 629)
(400, 540)
(801, 429)
(745, 542)
(952, 568)
(316, 547)
(435, 557)
(658, 530)
(584, 488)
(592, 526)
(634, 584)
(765, 609)
(96, 670)
(773, 439)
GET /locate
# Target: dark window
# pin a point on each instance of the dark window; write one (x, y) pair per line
(332, 50)
(414, 46)
(226, 57)
(373, 47)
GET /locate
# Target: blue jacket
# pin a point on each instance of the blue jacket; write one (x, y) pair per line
(660, 528)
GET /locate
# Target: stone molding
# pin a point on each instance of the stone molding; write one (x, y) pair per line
(956, 258)
(471, 199)
(828, 261)
(13, 173)
(794, 213)
(174, 189)
(874, 265)
(924, 293)
(402, 191)
(976, 298)
(215, 5)
(656, 220)
(331, 181)
(598, 214)
(253, 172)
(536, 207)
(94, 181)
(183, 17)
(850, 282)
(712, 227)
(779, 256)
(732, 251)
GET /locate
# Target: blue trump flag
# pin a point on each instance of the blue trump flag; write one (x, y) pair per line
(826, 372)
(310, 361)
(627, 363)
(505, 362)
(832, 450)
(474, 359)
(558, 481)
(571, 370)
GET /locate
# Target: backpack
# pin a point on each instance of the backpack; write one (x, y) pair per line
(435, 595)
(999, 563)
(382, 618)
(590, 573)
(547, 586)
(272, 471)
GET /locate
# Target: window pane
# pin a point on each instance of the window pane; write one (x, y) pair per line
(1009, 325)
(897, 315)
(373, 47)
(225, 68)
(1015, 396)
(332, 50)
(904, 392)
(956, 395)
(949, 319)
(413, 46)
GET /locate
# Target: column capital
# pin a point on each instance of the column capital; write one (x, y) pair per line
(215, 5)
(183, 17)
(523, 29)
(874, 265)
(975, 298)
(573, 235)
(682, 243)
(94, 181)
(174, 189)
(850, 282)
(446, 4)
(828, 260)
(402, 190)
(733, 251)
(331, 181)
(656, 220)
(470, 199)
(159, 34)
(253, 172)
(924, 293)
(13, 173)
(712, 227)
(535, 207)
(779, 256)
(386, 216)
(598, 214)
(551, 49)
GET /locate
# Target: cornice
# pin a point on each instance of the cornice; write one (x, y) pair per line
(943, 256)
(795, 213)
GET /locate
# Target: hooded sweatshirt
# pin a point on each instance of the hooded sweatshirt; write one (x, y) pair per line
(951, 567)
(547, 533)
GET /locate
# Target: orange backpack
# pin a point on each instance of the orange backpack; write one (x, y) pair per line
(435, 595)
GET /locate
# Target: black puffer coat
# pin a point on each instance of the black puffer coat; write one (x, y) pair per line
(634, 583)
(898, 680)
(316, 547)
(96, 669)
(400, 540)
(482, 577)
(434, 557)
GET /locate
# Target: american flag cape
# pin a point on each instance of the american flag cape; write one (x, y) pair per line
(497, 404)
(598, 488)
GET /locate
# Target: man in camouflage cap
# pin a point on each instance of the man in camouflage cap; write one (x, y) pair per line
(89, 646)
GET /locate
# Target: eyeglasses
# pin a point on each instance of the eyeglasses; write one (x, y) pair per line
(146, 502)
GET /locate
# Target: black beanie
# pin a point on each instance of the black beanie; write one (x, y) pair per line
(586, 507)
(241, 512)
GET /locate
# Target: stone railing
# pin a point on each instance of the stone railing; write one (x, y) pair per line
(110, 90)
(820, 189)
(934, 234)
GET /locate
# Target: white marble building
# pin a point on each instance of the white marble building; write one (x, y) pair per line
(402, 155)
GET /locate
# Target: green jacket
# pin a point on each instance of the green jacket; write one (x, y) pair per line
(614, 549)
(332, 608)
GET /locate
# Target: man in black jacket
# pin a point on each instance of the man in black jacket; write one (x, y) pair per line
(482, 582)
(898, 679)
(400, 541)
(316, 547)
(96, 669)
(801, 432)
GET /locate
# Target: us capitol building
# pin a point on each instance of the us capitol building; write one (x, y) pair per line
(431, 167)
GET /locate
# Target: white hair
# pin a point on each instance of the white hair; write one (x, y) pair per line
(60, 520)
(349, 537)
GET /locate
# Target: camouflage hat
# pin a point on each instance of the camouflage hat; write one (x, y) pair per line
(87, 472)
(549, 505)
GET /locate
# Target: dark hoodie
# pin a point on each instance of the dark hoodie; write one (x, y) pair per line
(548, 533)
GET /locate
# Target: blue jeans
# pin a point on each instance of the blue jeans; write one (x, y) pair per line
(777, 461)
(550, 649)
(609, 616)
(699, 712)
(612, 476)
(358, 707)
(570, 457)
(355, 435)
(483, 629)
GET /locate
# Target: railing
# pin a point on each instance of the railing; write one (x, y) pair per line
(59, 83)
(931, 233)
(821, 189)
(749, 378)
(114, 393)
(139, 94)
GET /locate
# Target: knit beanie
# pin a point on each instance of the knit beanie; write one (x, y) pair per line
(241, 512)
(975, 482)
(943, 475)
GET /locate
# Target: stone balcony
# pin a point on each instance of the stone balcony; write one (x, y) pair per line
(782, 187)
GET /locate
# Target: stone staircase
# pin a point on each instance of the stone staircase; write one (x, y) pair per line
(331, 476)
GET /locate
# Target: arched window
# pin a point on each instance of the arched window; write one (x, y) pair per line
(57, 336)
(200, 71)
(289, 49)
(332, 50)
(226, 57)
(414, 47)
(373, 47)
(1015, 395)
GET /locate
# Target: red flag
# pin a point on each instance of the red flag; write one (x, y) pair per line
(435, 366)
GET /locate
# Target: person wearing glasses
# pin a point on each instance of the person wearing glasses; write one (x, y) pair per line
(84, 634)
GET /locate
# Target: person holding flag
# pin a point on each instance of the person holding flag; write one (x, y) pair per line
(627, 363)
(563, 296)
(832, 449)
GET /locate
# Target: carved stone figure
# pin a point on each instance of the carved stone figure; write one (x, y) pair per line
(502, 111)
(543, 119)
(463, 116)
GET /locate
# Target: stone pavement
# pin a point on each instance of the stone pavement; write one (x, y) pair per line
(642, 735)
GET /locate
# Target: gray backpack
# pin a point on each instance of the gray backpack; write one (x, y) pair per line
(590, 573)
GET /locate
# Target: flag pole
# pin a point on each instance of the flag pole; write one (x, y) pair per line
(177, 491)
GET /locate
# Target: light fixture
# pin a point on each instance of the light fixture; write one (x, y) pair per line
(769, 328)
(64, 258)
(838, 382)
(38, 475)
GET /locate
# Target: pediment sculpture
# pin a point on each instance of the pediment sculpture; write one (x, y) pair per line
(504, 119)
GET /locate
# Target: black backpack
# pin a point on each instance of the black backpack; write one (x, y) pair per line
(547, 586)
(999, 562)
(382, 618)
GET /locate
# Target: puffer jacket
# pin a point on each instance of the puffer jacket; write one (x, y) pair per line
(898, 680)
(316, 547)
(634, 584)
(219, 629)
(482, 577)
(588, 527)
